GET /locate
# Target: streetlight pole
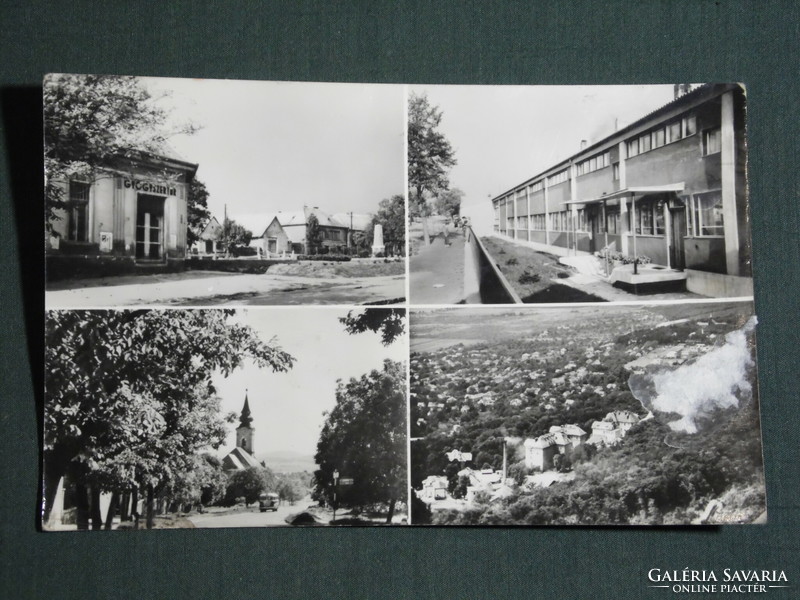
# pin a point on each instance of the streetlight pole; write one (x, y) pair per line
(335, 485)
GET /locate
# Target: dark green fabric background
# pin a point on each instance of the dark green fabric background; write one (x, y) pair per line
(475, 43)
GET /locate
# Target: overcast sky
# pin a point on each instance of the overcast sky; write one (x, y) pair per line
(287, 407)
(503, 135)
(270, 146)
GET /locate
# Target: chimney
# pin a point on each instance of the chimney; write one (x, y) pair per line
(584, 143)
(505, 461)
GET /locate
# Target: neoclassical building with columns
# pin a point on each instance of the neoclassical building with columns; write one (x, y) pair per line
(670, 186)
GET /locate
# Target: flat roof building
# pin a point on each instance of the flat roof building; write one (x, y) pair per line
(670, 187)
(134, 207)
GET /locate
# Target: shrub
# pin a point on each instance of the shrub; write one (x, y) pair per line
(243, 251)
(562, 275)
(528, 277)
(326, 258)
(512, 261)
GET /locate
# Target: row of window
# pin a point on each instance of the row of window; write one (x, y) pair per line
(704, 218)
(595, 163)
(559, 177)
(672, 132)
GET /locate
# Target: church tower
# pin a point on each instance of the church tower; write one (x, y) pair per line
(244, 432)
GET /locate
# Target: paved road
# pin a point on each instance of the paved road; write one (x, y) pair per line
(232, 290)
(436, 274)
(250, 518)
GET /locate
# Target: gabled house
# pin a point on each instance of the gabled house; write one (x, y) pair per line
(209, 241)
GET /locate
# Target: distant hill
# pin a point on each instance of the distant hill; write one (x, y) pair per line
(287, 461)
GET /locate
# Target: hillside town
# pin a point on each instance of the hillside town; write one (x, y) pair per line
(493, 422)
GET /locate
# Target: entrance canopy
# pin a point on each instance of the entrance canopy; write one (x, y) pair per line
(632, 191)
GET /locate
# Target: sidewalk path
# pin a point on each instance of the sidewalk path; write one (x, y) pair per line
(437, 272)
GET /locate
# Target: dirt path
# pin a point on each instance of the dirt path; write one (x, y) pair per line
(232, 290)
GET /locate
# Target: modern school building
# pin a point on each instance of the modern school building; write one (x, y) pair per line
(670, 187)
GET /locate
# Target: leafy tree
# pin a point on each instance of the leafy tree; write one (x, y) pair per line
(448, 203)
(392, 215)
(202, 483)
(235, 235)
(129, 401)
(248, 484)
(390, 322)
(430, 156)
(313, 235)
(364, 438)
(95, 120)
(197, 214)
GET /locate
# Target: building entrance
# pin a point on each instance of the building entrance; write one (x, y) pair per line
(149, 227)
(677, 253)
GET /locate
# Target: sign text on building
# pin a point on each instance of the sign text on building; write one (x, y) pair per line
(148, 186)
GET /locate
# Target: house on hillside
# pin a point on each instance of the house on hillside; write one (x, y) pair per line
(612, 428)
(209, 240)
(540, 451)
(670, 186)
(134, 207)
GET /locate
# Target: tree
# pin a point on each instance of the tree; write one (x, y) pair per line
(364, 438)
(430, 156)
(197, 213)
(129, 401)
(249, 484)
(390, 322)
(392, 215)
(448, 203)
(235, 235)
(92, 121)
(313, 235)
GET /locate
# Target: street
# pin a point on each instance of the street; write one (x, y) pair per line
(232, 289)
(251, 517)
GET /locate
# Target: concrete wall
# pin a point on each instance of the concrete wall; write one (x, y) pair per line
(654, 247)
(594, 185)
(718, 285)
(706, 254)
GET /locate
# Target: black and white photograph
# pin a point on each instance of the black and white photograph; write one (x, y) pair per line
(200, 418)
(638, 414)
(200, 192)
(553, 194)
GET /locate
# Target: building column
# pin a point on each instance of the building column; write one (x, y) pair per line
(514, 203)
(667, 233)
(623, 225)
(528, 204)
(546, 214)
(728, 168)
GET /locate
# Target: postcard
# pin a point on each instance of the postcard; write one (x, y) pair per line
(319, 304)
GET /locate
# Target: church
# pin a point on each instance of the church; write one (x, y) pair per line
(241, 457)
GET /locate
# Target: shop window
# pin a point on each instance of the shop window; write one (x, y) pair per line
(707, 219)
(612, 221)
(78, 211)
(712, 141)
(658, 218)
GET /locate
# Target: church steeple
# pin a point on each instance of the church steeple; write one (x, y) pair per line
(245, 419)
(244, 432)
